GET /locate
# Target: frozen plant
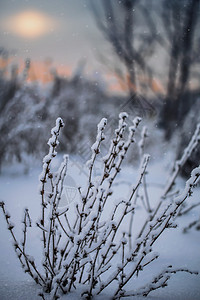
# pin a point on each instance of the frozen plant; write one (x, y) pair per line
(86, 244)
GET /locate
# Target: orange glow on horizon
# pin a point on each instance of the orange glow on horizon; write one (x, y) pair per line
(43, 71)
(119, 85)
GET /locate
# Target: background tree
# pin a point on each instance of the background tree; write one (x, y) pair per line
(139, 30)
(180, 21)
(125, 25)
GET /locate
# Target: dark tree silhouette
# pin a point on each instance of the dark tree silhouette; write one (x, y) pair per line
(180, 19)
(119, 23)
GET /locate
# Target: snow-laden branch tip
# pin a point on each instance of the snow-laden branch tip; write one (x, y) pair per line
(81, 244)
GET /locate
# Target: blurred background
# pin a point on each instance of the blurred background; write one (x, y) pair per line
(83, 60)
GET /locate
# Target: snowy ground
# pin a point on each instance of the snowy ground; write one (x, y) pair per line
(20, 190)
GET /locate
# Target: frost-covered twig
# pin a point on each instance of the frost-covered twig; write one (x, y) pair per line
(144, 135)
(82, 244)
(186, 210)
(27, 262)
(195, 223)
(179, 163)
(160, 281)
(53, 142)
(171, 181)
(144, 245)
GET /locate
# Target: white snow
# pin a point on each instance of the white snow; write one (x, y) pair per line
(174, 247)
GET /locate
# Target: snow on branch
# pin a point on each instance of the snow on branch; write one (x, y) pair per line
(81, 244)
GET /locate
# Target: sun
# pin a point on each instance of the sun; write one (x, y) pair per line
(30, 24)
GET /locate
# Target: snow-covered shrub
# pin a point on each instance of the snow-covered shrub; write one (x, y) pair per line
(80, 102)
(93, 243)
(27, 110)
(23, 125)
(185, 134)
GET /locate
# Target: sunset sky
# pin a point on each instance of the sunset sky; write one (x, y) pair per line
(56, 33)
(63, 30)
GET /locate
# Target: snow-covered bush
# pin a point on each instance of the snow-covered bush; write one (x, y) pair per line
(93, 243)
(185, 134)
(23, 125)
(27, 109)
(80, 102)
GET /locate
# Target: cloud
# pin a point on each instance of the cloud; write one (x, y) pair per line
(29, 24)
